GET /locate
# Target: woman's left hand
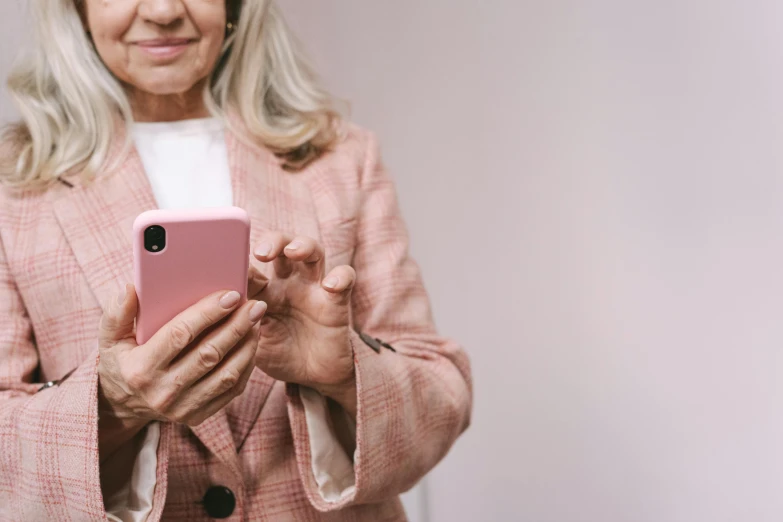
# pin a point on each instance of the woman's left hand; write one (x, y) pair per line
(304, 336)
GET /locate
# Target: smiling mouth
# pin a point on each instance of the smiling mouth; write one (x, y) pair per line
(164, 48)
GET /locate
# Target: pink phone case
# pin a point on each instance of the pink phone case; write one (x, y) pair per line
(206, 250)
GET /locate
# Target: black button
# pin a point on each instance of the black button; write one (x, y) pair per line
(219, 502)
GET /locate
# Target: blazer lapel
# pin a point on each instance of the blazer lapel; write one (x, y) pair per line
(97, 220)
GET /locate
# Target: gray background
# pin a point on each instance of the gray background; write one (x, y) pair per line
(594, 194)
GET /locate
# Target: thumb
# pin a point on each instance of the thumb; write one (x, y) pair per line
(117, 322)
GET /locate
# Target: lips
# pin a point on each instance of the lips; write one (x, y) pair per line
(164, 48)
(164, 42)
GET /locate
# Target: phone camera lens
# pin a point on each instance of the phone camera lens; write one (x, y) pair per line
(155, 238)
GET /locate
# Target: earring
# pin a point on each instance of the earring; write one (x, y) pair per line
(230, 27)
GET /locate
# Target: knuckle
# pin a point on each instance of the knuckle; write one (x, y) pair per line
(158, 405)
(176, 384)
(228, 379)
(135, 378)
(162, 403)
(209, 356)
(205, 318)
(180, 335)
(237, 332)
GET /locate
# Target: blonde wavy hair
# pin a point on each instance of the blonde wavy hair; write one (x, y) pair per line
(69, 101)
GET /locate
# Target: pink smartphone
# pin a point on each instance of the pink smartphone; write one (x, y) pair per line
(181, 256)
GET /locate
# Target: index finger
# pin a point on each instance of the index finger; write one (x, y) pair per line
(178, 333)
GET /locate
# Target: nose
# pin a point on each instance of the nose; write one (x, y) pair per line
(162, 12)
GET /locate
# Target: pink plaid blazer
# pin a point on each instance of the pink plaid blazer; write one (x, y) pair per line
(66, 251)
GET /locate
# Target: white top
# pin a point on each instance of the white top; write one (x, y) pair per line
(186, 162)
(187, 166)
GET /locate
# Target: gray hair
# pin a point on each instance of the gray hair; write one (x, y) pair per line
(70, 102)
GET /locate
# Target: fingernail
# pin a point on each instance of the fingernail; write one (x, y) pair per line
(257, 312)
(230, 300)
(331, 282)
(294, 246)
(122, 296)
(264, 249)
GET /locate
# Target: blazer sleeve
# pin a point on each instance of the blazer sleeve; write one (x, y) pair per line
(49, 463)
(414, 402)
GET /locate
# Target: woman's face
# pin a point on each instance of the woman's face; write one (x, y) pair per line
(160, 47)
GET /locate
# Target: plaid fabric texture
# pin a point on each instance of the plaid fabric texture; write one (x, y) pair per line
(65, 252)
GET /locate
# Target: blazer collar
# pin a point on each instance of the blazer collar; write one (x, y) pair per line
(96, 219)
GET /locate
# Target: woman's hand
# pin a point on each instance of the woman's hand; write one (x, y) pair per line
(190, 369)
(304, 337)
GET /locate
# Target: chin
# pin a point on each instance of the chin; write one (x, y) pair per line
(167, 86)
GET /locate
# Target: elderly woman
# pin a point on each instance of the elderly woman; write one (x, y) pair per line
(323, 397)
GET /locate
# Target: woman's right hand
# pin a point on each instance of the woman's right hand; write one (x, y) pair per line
(185, 373)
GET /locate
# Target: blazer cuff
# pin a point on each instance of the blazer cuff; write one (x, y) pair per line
(370, 367)
(58, 424)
